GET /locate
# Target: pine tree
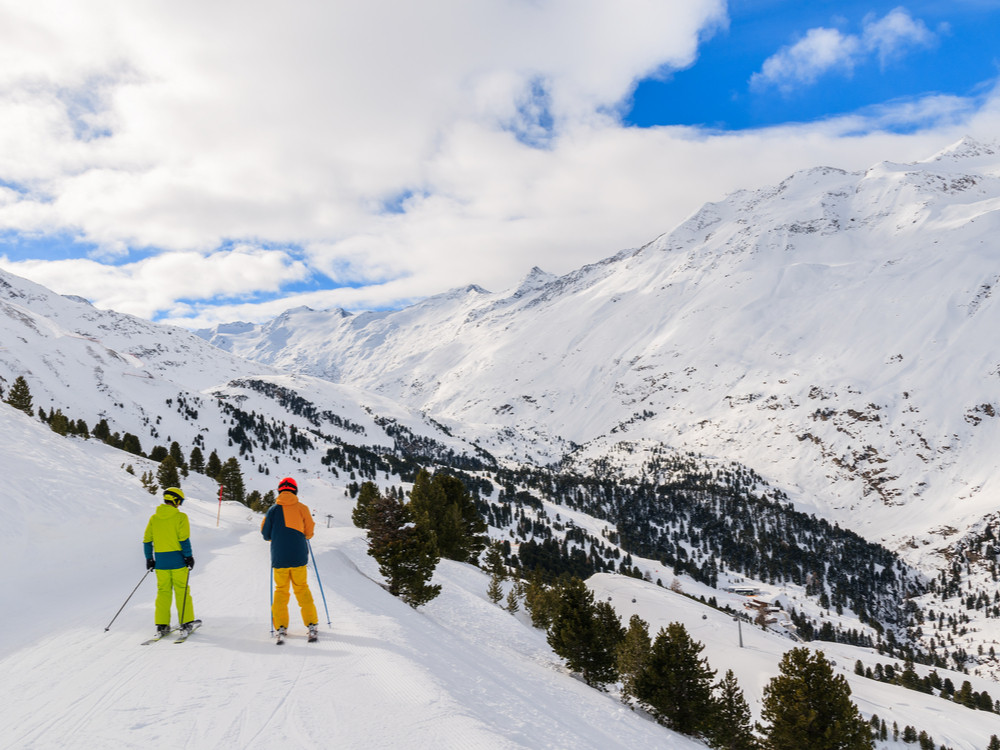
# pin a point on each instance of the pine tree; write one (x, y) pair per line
(58, 422)
(514, 596)
(149, 482)
(196, 461)
(994, 743)
(965, 695)
(495, 567)
(731, 719)
(806, 705)
(20, 396)
(367, 497)
(540, 600)
(101, 431)
(631, 655)
(404, 551)
(214, 466)
(178, 456)
(442, 504)
(676, 683)
(167, 474)
(579, 633)
(231, 479)
(130, 443)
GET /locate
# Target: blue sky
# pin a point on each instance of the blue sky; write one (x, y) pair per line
(944, 48)
(187, 163)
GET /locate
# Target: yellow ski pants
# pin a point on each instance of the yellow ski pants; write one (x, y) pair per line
(279, 607)
(173, 581)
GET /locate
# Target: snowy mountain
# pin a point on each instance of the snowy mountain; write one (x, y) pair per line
(163, 384)
(831, 332)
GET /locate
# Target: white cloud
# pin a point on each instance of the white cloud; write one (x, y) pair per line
(402, 149)
(824, 50)
(820, 51)
(156, 283)
(894, 34)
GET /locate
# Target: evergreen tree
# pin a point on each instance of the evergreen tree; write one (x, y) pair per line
(540, 600)
(101, 431)
(231, 479)
(609, 636)
(495, 567)
(167, 474)
(732, 725)
(58, 422)
(149, 482)
(268, 500)
(158, 453)
(806, 705)
(966, 695)
(214, 466)
(994, 743)
(260, 503)
(20, 396)
(196, 461)
(131, 444)
(405, 552)
(175, 453)
(676, 683)
(367, 496)
(631, 655)
(514, 596)
(579, 634)
(442, 504)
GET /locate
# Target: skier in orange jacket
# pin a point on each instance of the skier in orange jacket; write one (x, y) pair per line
(287, 526)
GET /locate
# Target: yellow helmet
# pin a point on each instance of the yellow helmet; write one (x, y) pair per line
(173, 495)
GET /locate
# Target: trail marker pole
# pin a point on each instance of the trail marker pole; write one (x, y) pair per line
(220, 508)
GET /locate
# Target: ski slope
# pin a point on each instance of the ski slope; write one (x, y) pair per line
(459, 672)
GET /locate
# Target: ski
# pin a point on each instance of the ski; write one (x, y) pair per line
(195, 624)
(160, 637)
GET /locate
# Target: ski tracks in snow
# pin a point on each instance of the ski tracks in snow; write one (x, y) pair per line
(457, 674)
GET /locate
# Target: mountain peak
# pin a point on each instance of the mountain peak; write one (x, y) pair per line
(965, 148)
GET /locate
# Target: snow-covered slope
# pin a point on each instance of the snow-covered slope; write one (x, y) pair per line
(832, 332)
(458, 673)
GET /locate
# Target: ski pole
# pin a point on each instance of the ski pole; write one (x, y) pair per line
(126, 601)
(316, 568)
(184, 601)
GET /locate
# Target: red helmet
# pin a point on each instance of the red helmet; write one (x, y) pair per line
(288, 485)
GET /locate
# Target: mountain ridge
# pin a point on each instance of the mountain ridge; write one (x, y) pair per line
(825, 312)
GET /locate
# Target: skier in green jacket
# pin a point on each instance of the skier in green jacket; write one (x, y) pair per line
(167, 544)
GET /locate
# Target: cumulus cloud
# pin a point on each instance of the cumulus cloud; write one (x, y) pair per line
(824, 50)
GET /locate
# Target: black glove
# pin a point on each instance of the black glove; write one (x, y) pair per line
(150, 563)
(189, 561)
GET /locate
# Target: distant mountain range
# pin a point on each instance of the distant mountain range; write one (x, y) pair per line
(835, 332)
